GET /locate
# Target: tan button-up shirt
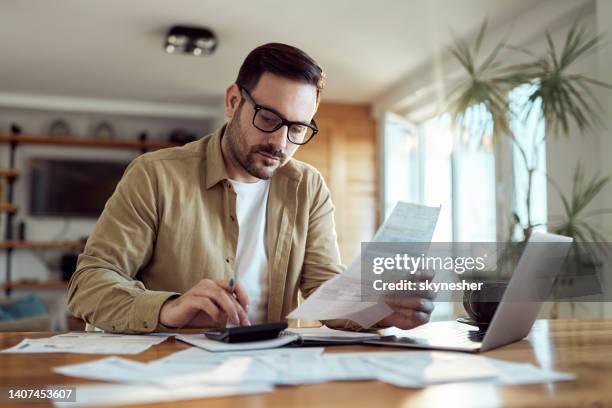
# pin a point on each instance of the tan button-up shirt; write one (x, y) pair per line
(172, 222)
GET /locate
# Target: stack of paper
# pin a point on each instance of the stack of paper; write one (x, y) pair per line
(309, 365)
(88, 343)
(201, 341)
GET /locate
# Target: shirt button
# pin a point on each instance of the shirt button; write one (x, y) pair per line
(227, 260)
(232, 217)
(145, 325)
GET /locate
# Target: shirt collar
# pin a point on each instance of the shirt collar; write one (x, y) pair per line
(215, 165)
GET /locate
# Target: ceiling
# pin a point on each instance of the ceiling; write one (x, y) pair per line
(112, 50)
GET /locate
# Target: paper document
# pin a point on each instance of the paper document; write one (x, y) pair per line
(200, 340)
(193, 365)
(524, 373)
(88, 343)
(325, 334)
(196, 355)
(409, 223)
(266, 368)
(418, 369)
(118, 394)
(293, 367)
(340, 297)
(112, 369)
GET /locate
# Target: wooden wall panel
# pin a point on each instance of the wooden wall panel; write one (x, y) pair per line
(345, 152)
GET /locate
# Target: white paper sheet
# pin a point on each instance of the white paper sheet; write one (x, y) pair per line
(305, 366)
(88, 343)
(324, 333)
(524, 373)
(404, 369)
(409, 223)
(421, 368)
(279, 369)
(113, 369)
(417, 369)
(198, 355)
(188, 366)
(195, 355)
(196, 363)
(232, 371)
(118, 394)
(340, 297)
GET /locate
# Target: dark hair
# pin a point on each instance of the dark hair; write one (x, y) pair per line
(282, 60)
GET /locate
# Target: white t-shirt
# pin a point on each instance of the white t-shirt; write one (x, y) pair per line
(251, 264)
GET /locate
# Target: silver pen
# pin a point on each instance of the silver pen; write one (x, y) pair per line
(232, 288)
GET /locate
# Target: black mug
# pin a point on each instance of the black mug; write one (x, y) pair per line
(481, 304)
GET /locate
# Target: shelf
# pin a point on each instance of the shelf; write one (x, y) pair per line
(35, 285)
(41, 245)
(84, 142)
(8, 208)
(9, 173)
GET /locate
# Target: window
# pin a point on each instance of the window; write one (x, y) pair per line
(529, 132)
(421, 165)
(438, 175)
(402, 164)
(431, 165)
(434, 165)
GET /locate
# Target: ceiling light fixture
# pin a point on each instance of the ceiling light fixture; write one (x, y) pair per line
(196, 41)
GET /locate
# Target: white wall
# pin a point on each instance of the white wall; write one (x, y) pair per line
(563, 154)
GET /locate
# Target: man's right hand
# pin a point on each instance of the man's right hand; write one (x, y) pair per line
(209, 303)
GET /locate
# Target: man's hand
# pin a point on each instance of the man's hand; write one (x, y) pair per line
(412, 310)
(208, 303)
(407, 313)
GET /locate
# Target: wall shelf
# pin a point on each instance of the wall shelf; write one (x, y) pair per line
(9, 173)
(8, 178)
(42, 245)
(84, 142)
(36, 285)
(8, 208)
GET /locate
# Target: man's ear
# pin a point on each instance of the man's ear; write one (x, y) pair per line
(232, 100)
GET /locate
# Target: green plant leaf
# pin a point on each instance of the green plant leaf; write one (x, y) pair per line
(584, 191)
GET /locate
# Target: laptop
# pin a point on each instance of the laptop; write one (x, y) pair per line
(513, 318)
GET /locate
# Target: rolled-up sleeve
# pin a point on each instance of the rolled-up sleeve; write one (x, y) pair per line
(103, 290)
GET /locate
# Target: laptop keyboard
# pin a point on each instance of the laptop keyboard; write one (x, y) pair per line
(468, 335)
(459, 337)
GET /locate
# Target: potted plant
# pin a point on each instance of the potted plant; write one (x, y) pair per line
(557, 94)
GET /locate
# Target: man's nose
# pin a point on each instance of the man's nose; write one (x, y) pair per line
(278, 138)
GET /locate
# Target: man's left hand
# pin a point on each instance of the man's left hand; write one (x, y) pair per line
(407, 313)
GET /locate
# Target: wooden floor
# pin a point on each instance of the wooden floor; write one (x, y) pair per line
(580, 347)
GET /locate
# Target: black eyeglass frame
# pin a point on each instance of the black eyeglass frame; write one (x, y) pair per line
(284, 122)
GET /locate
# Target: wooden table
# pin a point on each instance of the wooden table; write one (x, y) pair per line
(582, 347)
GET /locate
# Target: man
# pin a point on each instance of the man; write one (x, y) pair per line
(234, 205)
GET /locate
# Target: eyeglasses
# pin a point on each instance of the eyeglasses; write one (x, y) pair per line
(268, 121)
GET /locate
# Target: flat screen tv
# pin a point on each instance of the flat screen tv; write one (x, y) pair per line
(72, 188)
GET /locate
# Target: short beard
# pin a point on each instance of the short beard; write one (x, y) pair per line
(248, 160)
